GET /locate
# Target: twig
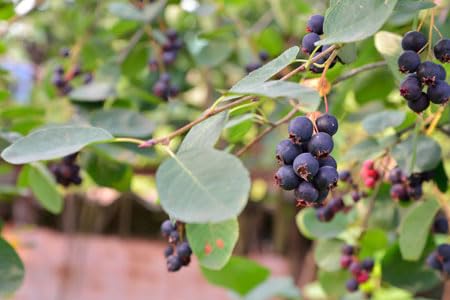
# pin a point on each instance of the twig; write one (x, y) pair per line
(266, 131)
(356, 71)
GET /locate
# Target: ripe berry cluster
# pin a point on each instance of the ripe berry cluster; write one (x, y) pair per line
(360, 270)
(307, 166)
(404, 188)
(178, 253)
(440, 224)
(263, 58)
(423, 73)
(164, 89)
(336, 204)
(440, 259)
(62, 79)
(315, 29)
(369, 174)
(67, 171)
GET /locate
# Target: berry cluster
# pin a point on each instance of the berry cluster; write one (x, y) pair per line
(307, 166)
(62, 79)
(263, 58)
(164, 89)
(369, 174)
(360, 270)
(440, 259)
(423, 73)
(178, 253)
(67, 172)
(315, 29)
(440, 224)
(336, 204)
(404, 188)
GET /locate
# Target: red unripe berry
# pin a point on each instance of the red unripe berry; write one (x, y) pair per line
(368, 164)
(362, 277)
(346, 260)
(370, 182)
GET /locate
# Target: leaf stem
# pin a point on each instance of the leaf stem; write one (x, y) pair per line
(128, 140)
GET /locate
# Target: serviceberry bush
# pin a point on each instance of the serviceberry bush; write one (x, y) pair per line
(184, 104)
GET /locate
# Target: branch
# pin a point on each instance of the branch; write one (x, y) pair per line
(266, 131)
(356, 71)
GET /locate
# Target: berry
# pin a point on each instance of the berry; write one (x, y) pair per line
(415, 191)
(184, 250)
(444, 251)
(321, 144)
(434, 262)
(439, 93)
(174, 237)
(346, 260)
(306, 192)
(345, 175)
(171, 34)
(398, 191)
(323, 194)
(362, 277)
(300, 130)
(348, 250)
(336, 204)
(64, 52)
(306, 166)
(429, 72)
(59, 70)
(263, 56)
(420, 104)
(174, 263)
(327, 123)
(168, 251)
(326, 178)
(315, 24)
(88, 78)
(440, 225)
(287, 151)
(324, 214)
(367, 264)
(414, 40)
(442, 50)
(286, 178)
(327, 161)
(446, 267)
(169, 57)
(160, 88)
(317, 69)
(396, 175)
(252, 67)
(355, 268)
(408, 62)
(167, 227)
(308, 42)
(356, 196)
(186, 260)
(352, 285)
(411, 88)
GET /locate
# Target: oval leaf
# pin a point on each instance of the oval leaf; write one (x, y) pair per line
(312, 228)
(415, 228)
(389, 45)
(350, 21)
(382, 120)
(93, 92)
(275, 288)
(11, 269)
(43, 185)
(203, 185)
(53, 142)
(123, 122)
(327, 254)
(213, 243)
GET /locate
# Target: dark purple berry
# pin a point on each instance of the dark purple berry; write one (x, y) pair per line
(356, 196)
(318, 69)
(324, 214)
(58, 80)
(367, 264)
(306, 166)
(306, 192)
(440, 225)
(352, 285)
(173, 91)
(446, 267)
(167, 227)
(411, 88)
(64, 52)
(414, 40)
(287, 151)
(408, 62)
(263, 56)
(88, 78)
(186, 260)
(348, 250)
(345, 176)
(252, 67)
(420, 104)
(174, 237)
(355, 268)
(415, 191)
(300, 130)
(174, 263)
(315, 24)
(168, 251)
(399, 191)
(396, 175)
(171, 34)
(169, 57)
(321, 144)
(327, 161)
(439, 93)
(308, 42)
(444, 251)
(160, 89)
(442, 50)
(434, 262)
(428, 73)
(59, 70)
(336, 204)
(327, 123)
(286, 178)
(323, 194)
(184, 250)
(326, 178)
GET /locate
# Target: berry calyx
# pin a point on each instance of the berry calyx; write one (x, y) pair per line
(321, 144)
(408, 62)
(411, 88)
(286, 152)
(306, 166)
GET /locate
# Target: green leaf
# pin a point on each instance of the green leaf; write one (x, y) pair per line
(372, 241)
(53, 142)
(364, 149)
(123, 122)
(11, 269)
(274, 288)
(213, 243)
(333, 283)
(208, 52)
(402, 154)
(132, 65)
(239, 274)
(348, 21)
(440, 177)
(308, 97)
(238, 127)
(203, 185)
(312, 228)
(125, 11)
(347, 53)
(327, 254)
(107, 172)
(43, 186)
(414, 276)
(382, 120)
(205, 134)
(93, 92)
(268, 70)
(389, 45)
(415, 228)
